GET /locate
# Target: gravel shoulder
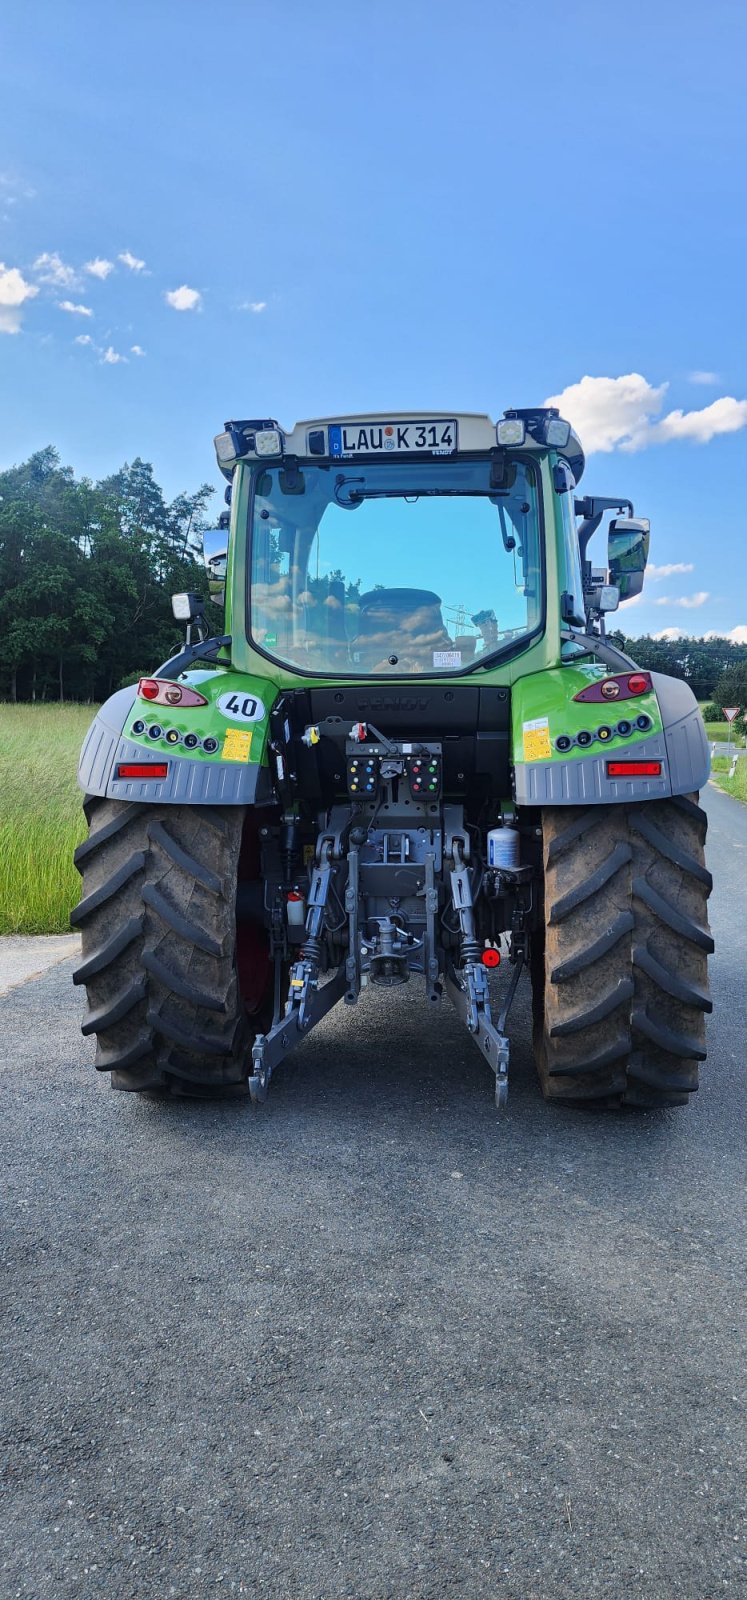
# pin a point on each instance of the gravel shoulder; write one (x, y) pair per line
(25, 956)
(374, 1342)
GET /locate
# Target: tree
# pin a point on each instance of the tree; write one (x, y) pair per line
(700, 662)
(86, 575)
(731, 690)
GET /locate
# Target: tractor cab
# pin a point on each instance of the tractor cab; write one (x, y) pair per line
(394, 547)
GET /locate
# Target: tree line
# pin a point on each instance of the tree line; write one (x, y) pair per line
(715, 669)
(87, 571)
(86, 575)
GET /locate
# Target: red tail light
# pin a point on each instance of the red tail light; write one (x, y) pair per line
(491, 958)
(143, 769)
(621, 686)
(633, 769)
(162, 692)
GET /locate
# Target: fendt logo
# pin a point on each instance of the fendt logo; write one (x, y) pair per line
(392, 702)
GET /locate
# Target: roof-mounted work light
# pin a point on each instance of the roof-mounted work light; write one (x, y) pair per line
(268, 442)
(557, 432)
(542, 423)
(511, 431)
(262, 437)
(225, 449)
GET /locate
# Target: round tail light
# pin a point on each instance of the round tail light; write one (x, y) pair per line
(148, 689)
(638, 683)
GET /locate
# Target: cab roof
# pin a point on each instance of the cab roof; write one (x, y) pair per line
(405, 435)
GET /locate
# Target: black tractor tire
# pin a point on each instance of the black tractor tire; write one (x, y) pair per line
(158, 924)
(620, 968)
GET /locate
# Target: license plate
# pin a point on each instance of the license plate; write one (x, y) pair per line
(436, 436)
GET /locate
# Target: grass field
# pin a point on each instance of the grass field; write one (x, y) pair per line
(41, 820)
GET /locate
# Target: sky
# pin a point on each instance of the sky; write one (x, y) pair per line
(301, 210)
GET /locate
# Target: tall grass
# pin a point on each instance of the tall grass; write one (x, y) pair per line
(736, 785)
(41, 820)
(720, 732)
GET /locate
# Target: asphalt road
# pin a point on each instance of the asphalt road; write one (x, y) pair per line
(373, 1341)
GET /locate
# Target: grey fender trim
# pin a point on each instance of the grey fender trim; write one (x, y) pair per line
(584, 782)
(204, 783)
(687, 740)
(682, 747)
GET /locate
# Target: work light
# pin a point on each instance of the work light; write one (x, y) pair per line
(557, 432)
(511, 430)
(268, 442)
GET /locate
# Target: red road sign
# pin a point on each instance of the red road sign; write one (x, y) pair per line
(730, 712)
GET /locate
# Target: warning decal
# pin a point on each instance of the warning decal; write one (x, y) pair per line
(236, 745)
(537, 739)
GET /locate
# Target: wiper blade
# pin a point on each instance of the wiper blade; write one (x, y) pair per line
(357, 496)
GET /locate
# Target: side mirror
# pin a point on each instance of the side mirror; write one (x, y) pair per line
(627, 554)
(215, 556)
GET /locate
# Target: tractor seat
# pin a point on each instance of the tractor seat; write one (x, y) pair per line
(406, 621)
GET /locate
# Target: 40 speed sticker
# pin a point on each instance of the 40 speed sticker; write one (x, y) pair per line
(241, 707)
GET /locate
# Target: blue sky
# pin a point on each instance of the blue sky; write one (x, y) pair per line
(388, 206)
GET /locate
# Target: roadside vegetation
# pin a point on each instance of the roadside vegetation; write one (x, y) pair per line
(41, 819)
(736, 786)
(720, 732)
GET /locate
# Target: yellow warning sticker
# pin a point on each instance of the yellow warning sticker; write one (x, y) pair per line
(537, 739)
(237, 744)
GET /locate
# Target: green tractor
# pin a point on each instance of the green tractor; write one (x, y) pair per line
(411, 750)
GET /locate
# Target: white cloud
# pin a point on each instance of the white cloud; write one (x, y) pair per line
(14, 291)
(624, 414)
(609, 413)
(112, 358)
(83, 338)
(670, 633)
(253, 305)
(131, 261)
(136, 350)
(706, 378)
(669, 567)
(738, 635)
(51, 268)
(184, 298)
(688, 602)
(726, 415)
(99, 267)
(73, 309)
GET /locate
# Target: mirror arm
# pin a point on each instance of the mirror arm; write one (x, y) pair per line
(592, 508)
(587, 529)
(598, 503)
(600, 648)
(206, 650)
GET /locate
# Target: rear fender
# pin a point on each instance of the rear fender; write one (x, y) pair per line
(544, 711)
(233, 770)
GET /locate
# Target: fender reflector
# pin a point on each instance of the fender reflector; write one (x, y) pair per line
(633, 769)
(143, 769)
